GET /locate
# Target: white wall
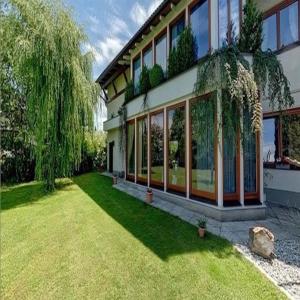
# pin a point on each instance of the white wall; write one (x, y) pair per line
(114, 136)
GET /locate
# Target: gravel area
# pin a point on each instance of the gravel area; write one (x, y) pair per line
(284, 269)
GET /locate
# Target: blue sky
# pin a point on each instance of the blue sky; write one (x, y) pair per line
(109, 24)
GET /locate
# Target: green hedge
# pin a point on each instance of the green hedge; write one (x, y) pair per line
(156, 75)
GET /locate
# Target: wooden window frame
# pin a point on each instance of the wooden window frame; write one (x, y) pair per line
(275, 10)
(172, 187)
(195, 192)
(153, 182)
(130, 177)
(138, 178)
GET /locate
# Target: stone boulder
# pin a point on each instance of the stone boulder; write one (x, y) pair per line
(261, 241)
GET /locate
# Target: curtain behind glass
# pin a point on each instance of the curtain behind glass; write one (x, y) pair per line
(142, 149)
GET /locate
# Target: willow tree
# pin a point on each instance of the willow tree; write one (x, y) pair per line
(48, 61)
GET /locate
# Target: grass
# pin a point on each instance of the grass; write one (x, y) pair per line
(90, 241)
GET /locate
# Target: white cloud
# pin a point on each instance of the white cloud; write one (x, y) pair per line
(139, 13)
(118, 26)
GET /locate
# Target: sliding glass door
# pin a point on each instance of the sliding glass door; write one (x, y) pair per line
(157, 149)
(203, 147)
(130, 151)
(142, 150)
(176, 149)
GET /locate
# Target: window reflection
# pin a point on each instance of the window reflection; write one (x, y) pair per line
(175, 31)
(235, 17)
(269, 34)
(270, 139)
(147, 58)
(203, 141)
(157, 149)
(289, 24)
(130, 150)
(176, 148)
(136, 74)
(142, 161)
(161, 52)
(223, 22)
(199, 25)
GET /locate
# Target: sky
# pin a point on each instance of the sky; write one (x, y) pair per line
(109, 24)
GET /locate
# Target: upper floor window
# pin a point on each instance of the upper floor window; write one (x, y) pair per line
(161, 52)
(148, 58)
(199, 24)
(175, 31)
(136, 73)
(229, 20)
(286, 21)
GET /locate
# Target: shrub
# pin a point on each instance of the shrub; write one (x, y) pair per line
(144, 80)
(129, 91)
(173, 63)
(156, 75)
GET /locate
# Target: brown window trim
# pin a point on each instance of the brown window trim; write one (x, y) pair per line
(194, 192)
(172, 187)
(152, 181)
(138, 178)
(129, 177)
(275, 10)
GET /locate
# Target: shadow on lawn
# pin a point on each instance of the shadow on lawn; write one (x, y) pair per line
(163, 234)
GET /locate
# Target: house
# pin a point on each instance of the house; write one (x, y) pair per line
(173, 143)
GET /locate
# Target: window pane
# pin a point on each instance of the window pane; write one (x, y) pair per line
(230, 153)
(161, 52)
(176, 149)
(289, 24)
(157, 148)
(249, 151)
(199, 25)
(223, 22)
(203, 139)
(270, 139)
(269, 34)
(148, 59)
(142, 134)
(291, 137)
(176, 29)
(136, 74)
(130, 149)
(235, 17)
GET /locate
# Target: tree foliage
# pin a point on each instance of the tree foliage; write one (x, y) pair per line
(55, 77)
(156, 75)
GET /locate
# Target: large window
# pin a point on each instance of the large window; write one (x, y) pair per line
(281, 141)
(175, 31)
(282, 24)
(136, 73)
(199, 18)
(203, 168)
(130, 151)
(157, 149)
(142, 152)
(148, 58)
(161, 52)
(229, 20)
(269, 34)
(176, 149)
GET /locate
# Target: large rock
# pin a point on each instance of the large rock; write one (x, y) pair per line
(261, 241)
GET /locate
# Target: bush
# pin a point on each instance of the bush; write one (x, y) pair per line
(173, 63)
(129, 91)
(144, 81)
(156, 75)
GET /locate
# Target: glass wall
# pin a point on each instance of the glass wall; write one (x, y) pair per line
(176, 149)
(157, 149)
(203, 173)
(269, 34)
(130, 151)
(249, 151)
(223, 22)
(199, 23)
(175, 31)
(161, 52)
(148, 58)
(142, 149)
(136, 73)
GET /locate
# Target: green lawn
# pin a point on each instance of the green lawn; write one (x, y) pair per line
(90, 241)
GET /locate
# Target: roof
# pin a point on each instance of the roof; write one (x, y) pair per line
(163, 9)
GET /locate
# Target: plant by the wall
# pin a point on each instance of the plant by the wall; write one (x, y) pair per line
(156, 75)
(129, 91)
(251, 29)
(144, 81)
(173, 68)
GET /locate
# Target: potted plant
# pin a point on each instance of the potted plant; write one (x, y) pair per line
(149, 198)
(114, 177)
(201, 227)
